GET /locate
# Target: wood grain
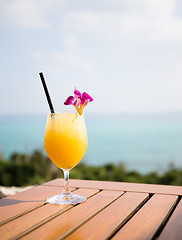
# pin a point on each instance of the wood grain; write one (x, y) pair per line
(68, 221)
(104, 224)
(18, 204)
(173, 228)
(118, 211)
(121, 186)
(148, 220)
(29, 221)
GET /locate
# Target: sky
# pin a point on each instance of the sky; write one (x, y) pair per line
(126, 54)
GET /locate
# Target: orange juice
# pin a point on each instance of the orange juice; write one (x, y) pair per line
(65, 139)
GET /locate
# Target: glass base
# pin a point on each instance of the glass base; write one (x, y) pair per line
(66, 199)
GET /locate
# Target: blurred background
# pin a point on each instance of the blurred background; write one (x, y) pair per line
(125, 54)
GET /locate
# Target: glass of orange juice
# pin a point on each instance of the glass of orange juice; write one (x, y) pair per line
(65, 143)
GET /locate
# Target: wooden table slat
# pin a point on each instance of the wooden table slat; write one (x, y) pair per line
(114, 210)
(148, 220)
(35, 218)
(173, 228)
(20, 203)
(76, 216)
(104, 224)
(120, 186)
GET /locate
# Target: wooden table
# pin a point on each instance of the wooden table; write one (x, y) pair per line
(113, 210)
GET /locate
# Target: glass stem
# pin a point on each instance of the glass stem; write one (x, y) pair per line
(66, 190)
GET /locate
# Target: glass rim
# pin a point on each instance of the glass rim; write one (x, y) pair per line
(62, 111)
(59, 111)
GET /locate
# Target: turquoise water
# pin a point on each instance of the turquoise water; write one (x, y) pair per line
(143, 142)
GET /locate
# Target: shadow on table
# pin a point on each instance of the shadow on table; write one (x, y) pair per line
(7, 202)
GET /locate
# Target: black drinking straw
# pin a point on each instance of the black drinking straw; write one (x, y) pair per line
(46, 92)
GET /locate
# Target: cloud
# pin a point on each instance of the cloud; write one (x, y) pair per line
(152, 20)
(126, 49)
(26, 14)
(146, 20)
(68, 61)
(143, 35)
(71, 42)
(37, 55)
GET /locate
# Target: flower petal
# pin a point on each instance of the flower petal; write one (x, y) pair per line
(85, 97)
(69, 100)
(85, 103)
(77, 94)
(77, 102)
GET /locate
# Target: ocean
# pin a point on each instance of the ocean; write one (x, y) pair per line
(143, 142)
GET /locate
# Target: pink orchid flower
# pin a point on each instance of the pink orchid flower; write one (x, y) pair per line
(79, 101)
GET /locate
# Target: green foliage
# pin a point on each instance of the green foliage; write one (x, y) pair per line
(12, 174)
(172, 177)
(118, 172)
(23, 169)
(108, 172)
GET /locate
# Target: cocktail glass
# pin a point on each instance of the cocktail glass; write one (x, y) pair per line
(65, 143)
